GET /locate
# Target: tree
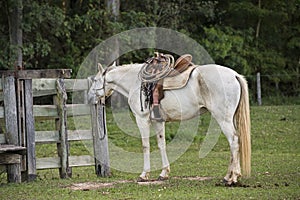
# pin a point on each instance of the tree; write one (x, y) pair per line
(14, 10)
(249, 36)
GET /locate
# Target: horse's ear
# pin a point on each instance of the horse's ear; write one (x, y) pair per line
(112, 66)
(100, 68)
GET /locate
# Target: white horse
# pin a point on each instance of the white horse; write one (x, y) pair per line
(220, 90)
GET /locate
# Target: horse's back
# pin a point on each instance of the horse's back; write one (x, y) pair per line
(212, 71)
(216, 75)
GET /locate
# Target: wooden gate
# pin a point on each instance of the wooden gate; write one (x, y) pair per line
(20, 114)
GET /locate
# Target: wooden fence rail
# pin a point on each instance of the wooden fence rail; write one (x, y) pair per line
(28, 137)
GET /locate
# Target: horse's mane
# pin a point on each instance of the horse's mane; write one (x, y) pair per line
(127, 67)
(131, 65)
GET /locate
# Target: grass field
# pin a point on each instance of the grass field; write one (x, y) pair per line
(275, 167)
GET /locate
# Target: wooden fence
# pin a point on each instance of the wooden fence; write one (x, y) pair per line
(25, 114)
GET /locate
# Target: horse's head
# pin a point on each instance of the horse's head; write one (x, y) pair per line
(98, 89)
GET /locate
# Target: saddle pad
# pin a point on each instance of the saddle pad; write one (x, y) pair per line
(179, 81)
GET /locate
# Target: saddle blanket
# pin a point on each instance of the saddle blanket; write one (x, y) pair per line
(179, 81)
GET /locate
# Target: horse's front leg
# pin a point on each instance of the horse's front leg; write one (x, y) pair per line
(144, 127)
(159, 128)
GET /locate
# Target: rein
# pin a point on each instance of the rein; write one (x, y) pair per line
(103, 117)
(102, 104)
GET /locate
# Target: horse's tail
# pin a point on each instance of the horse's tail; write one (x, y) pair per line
(243, 125)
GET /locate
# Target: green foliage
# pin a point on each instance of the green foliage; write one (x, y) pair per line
(240, 34)
(226, 46)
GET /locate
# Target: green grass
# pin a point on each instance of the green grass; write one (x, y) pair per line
(275, 166)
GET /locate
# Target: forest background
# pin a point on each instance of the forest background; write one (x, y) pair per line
(249, 36)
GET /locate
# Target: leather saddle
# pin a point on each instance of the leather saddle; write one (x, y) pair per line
(181, 64)
(160, 73)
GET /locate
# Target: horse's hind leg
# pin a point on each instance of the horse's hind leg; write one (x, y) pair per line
(159, 128)
(234, 169)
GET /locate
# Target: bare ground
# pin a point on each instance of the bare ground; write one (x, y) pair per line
(97, 185)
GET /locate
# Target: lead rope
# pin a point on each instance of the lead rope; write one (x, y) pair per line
(102, 104)
(141, 98)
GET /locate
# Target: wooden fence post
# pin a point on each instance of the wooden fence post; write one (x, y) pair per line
(258, 85)
(62, 147)
(21, 117)
(100, 139)
(30, 131)
(11, 123)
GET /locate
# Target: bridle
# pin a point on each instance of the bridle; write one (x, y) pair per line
(102, 104)
(102, 99)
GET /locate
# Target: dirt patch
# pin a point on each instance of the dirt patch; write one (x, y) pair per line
(86, 186)
(89, 186)
(194, 178)
(151, 182)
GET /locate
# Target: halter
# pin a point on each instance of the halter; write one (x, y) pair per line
(102, 100)
(102, 104)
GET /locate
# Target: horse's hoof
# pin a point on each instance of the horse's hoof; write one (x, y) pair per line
(160, 178)
(230, 183)
(140, 179)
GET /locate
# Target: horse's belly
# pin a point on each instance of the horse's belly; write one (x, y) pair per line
(178, 108)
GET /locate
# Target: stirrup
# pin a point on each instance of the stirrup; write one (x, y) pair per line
(155, 113)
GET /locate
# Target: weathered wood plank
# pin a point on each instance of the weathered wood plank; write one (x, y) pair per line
(10, 111)
(86, 160)
(78, 135)
(100, 140)
(53, 136)
(54, 162)
(11, 118)
(78, 109)
(1, 112)
(45, 111)
(76, 84)
(63, 146)
(30, 131)
(8, 148)
(10, 159)
(41, 93)
(36, 93)
(40, 73)
(21, 118)
(49, 85)
(47, 137)
(39, 85)
(45, 87)
(50, 111)
(48, 163)
(2, 138)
